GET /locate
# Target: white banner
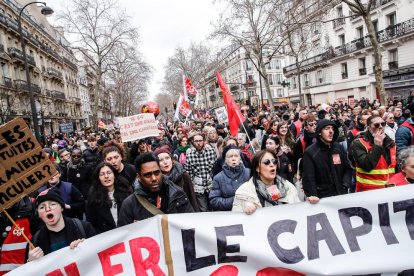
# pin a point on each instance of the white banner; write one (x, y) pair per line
(137, 127)
(362, 233)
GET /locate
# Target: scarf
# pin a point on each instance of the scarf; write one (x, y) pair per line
(183, 149)
(261, 189)
(391, 125)
(76, 166)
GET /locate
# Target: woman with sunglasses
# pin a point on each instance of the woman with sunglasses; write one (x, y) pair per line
(265, 188)
(106, 195)
(78, 173)
(375, 156)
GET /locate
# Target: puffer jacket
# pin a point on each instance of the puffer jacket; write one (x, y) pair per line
(225, 185)
(247, 194)
(403, 136)
(173, 201)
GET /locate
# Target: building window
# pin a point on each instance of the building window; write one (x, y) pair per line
(280, 92)
(294, 85)
(375, 23)
(362, 67)
(341, 39)
(278, 78)
(306, 80)
(344, 70)
(320, 76)
(393, 59)
(270, 79)
(360, 32)
(392, 19)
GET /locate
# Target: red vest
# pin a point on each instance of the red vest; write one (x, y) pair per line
(302, 141)
(377, 177)
(13, 250)
(411, 128)
(355, 132)
(298, 126)
(398, 180)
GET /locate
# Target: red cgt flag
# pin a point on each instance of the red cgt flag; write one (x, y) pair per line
(233, 111)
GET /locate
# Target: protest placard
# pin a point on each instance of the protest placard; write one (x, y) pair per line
(138, 126)
(24, 166)
(356, 234)
(221, 114)
(66, 127)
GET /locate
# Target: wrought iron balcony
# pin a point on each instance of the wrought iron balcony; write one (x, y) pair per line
(392, 32)
(18, 54)
(8, 82)
(71, 64)
(338, 22)
(344, 75)
(58, 95)
(24, 86)
(393, 65)
(54, 73)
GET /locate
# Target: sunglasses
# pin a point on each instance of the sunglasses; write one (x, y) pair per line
(311, 124)
(268, 161)
(244, 111)
(377, 125)
(149, 174)
(76, 155)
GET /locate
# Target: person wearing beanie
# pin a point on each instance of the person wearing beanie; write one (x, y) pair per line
(57, 231)
(232, 176)
(326, 170)
(175, 172)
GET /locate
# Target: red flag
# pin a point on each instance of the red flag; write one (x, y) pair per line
(233, 111)
(101, 124)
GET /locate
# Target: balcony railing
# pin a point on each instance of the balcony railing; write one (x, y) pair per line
(378, 3)
(24, 86)
(58, 95)
(71, 64)
(338, 22)
(344, 75)
(387, 34)
(54, 73)
(18, 54)
(8, 82)
(393, 65)
(362, 71)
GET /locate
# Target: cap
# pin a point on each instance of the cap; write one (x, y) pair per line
(102, 141)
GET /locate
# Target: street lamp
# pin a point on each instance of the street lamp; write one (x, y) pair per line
(45, 11)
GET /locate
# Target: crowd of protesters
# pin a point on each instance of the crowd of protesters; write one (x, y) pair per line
(278, 157)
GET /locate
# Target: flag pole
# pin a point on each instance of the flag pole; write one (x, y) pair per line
(245, 130)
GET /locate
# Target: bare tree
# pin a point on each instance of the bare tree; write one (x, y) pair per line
(97, 28)
(194, 62)
(129, 76)
(253, 25)
(7, 105)
(363, 8)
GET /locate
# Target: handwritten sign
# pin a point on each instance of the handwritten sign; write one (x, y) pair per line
(67, 127)
(138, 126)
(24, 166)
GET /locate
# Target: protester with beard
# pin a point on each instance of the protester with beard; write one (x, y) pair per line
(375, 156)
(91, 154)
(175, 172)
(265, 188)
(154, 193)
(78, 173)
(326, 171)
(304, 140)
(226, 183)
(106, 195)
(73, 198)
(114, 154)
(181, 152)
(58, 231)
(199, 165)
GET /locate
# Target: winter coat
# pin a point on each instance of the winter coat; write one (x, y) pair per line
(326, 170)
(80, 176)
(247, 194)
(183, 180)
(225, 185)
(403, 136)
(72, 233)
(129, 173)
(92, 157)
(101, 217)
(173, 201)
(71, 196)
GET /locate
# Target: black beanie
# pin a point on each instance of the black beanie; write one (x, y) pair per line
(51, 194)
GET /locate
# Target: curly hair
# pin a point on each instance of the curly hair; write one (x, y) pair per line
(98, 194)
(113, 146)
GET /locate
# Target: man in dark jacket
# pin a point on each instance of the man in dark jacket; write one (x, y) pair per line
(92, 155)
(154, 193)
(58, 231)
(326, 171)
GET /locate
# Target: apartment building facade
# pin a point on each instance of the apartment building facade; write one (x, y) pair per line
(340, 65)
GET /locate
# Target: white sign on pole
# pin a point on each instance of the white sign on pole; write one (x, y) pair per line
(138, 126)
(356, 234)
(221, 114)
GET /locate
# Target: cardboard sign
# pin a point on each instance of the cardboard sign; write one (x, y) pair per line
(24, 166)
(138, 126)
(356, 234)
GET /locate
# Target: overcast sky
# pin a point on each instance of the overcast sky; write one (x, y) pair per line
(164, 25)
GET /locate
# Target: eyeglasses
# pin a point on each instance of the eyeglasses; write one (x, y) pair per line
(44, 207)
(149, 174)
(105, 173)
(268, 161)
(377, 125)
(76, 155)
(311, 124)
